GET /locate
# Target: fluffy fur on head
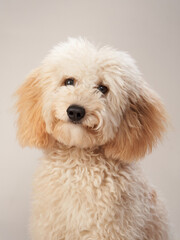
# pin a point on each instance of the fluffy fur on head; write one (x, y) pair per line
(120, 125)
(126, 122)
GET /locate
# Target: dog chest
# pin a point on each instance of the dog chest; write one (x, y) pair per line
(75, 197)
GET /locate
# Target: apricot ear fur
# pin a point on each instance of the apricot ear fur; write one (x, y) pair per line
(31, 126)
(142, 125)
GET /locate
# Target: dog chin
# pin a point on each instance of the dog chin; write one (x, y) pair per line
(71, 135)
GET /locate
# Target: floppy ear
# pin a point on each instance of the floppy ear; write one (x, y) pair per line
(142, 125)
(31, 126)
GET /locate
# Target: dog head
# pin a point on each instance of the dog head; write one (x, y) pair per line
(86, 97)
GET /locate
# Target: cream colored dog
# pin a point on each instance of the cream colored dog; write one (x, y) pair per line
(93, 115)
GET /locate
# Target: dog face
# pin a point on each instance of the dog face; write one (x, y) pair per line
(87, 97)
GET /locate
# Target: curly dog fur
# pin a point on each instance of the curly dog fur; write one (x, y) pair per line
(89, 184)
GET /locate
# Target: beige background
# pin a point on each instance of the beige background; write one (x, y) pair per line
(148, 30)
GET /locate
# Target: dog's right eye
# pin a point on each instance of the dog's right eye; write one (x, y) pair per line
(69, 81)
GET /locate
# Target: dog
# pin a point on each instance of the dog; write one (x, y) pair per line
(90, 111)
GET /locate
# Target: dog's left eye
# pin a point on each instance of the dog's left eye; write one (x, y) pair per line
(69, 81)
(102, 89)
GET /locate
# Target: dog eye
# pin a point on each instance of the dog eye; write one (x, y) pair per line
(102, 89)
(69, 81)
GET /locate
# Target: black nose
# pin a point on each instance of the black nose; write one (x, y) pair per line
(75, 112)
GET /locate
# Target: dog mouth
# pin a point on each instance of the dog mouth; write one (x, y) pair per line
(83, 133)
(75, 122)
(83, 125)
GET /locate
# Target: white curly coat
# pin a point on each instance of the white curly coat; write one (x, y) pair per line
(89, 184)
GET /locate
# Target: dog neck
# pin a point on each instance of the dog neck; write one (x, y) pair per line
(72, 157)
(58, 150)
